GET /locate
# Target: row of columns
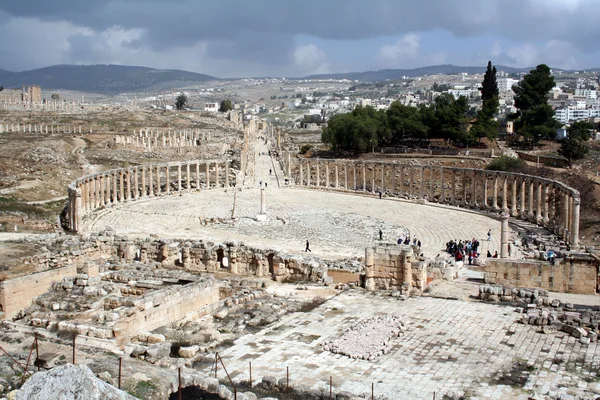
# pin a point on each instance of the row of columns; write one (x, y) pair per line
(178, 139)
(42, 128)
(545, 202)
(111, 187)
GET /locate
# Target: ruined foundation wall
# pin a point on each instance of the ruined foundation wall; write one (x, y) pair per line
(17, 294)
(575, 274)
(168, 306)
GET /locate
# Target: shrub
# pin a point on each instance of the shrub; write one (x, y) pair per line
(507, 163)
(305, 148)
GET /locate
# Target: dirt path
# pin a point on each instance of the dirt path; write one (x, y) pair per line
(79, 150)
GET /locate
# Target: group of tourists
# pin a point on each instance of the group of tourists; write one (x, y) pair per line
(406, 241)
(465, 250)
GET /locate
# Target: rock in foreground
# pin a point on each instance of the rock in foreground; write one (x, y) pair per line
(69, 382)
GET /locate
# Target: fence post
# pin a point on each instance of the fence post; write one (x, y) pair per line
(216, 363)
(330, 387)
(179, 383)
(250, 374)
(37, 352)
(74, 336)
(120, 370)
(287, 374)
(372, 390)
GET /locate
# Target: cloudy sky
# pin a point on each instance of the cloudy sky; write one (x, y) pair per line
(241, 38)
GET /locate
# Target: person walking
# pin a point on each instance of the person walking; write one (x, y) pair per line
(380, 234)
(489, 235)
(307, 247)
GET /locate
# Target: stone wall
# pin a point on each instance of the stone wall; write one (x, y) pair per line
(394, 267)
(17, 294)
(577, 273)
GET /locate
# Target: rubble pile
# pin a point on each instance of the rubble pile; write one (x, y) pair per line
(551, 315)
(368, 339)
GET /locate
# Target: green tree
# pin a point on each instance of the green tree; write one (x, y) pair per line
(485, 125)
(405, 123)
(225, 106)
(574, 147)
(181, 101)
(535, 117)
(362, 130)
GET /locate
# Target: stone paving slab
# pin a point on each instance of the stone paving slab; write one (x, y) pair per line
(448, 347)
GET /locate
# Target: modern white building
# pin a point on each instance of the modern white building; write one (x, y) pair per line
(569, 114)
(211, 107)
(506, 84)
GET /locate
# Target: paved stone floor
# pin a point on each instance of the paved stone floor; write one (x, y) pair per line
(449, 347)
(336, 224)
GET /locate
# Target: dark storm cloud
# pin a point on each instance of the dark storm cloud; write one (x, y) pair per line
(264, 32)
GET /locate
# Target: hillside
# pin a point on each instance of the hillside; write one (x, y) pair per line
(393, 74)
(107, 79)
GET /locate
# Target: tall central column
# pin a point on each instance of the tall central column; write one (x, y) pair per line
(504, 235)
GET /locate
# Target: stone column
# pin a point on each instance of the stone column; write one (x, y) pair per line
(86, 196)
(346, 177)
(150, 182)
(545, 202)
(217, 175)
(197, 175)
(115, 188)
(158, 188)
(77, 210)
(575, 224)
(355, 182)
(504, 235)
(167, 179)
(364, 176)
(382, 178)
(307, 174)
(318, 177)
(136, 187)
(188, 178)
(373, 179)
(337, 180)
(144, 193)
(495, 192)
(474, 189)
(538, 208)
(121, 186)
(513, 203)
(531, 207)
(505, 194)
(485, 191)
(422, 185)
(179, 177)
(102, 185)
(442, 198)
(289, 165)
(401, 180)
(431, 184)
(411, 182)
(566, 216)
(523, 211)
(226, 173)
(95, 192)
(453, 184)
(464, 187)
(128, 184)
(301, 174)
(327, 174)
(263, 203)
(208, 175)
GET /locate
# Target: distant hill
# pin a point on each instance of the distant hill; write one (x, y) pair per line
(393, 74)
(109, 79)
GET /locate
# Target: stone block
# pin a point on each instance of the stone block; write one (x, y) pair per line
(157, 352)
(156, 338)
